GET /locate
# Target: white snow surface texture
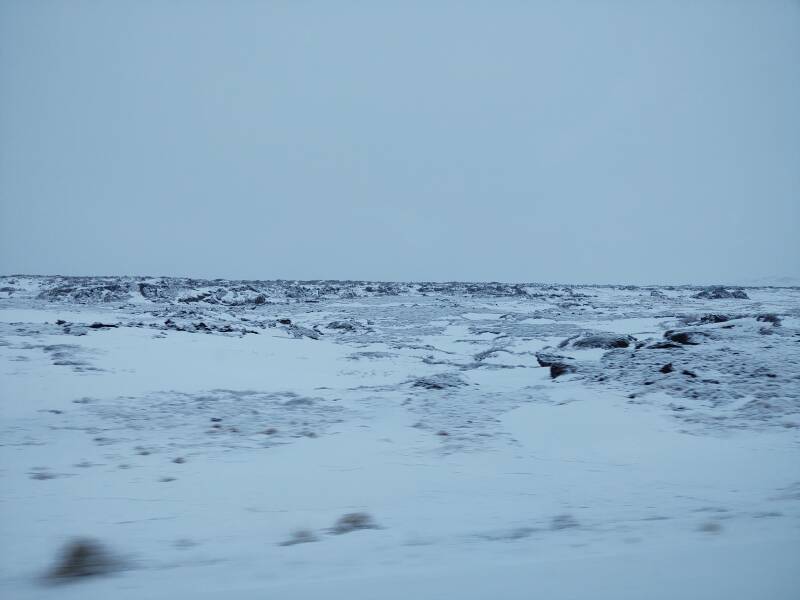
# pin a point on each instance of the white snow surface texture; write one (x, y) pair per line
(210, 434)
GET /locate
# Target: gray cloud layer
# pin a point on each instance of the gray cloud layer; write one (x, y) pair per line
(553, 141)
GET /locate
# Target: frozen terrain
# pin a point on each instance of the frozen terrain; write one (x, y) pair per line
(495, 440)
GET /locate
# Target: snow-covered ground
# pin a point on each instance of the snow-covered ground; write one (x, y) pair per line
(194, 427)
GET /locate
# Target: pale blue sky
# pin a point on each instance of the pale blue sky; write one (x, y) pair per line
(534, 141)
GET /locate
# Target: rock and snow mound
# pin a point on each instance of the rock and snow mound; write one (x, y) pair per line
(720, 293)
(605, 341)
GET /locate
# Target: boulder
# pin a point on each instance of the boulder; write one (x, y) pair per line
(346, 326)
(769, 318)
(720, 293)
(559, 365)
(687, 338)
(606, 341)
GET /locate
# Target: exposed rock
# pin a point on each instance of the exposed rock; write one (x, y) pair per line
(663, 346)
(189, 299)
(546, 359)
(598, 340)
(151, 291)
(92, 292)
(348, 326)
(301, 332)
(559, 365)
(714, 318)
(720, 293)
(687, 338)
(439, 381)
(769, 318)
(76, 330)
(558, 369)
(202, 327)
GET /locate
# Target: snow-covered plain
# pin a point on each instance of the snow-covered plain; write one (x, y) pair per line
(193, 427)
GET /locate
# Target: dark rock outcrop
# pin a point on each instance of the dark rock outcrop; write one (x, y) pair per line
(769, 318)
(559, 365)
(347, 326)
(664, 346)
(606, 341)
(687, 338)
(714, 318)
(720, 293)
(440, 381)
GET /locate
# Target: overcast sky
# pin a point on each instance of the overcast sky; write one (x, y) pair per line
(515, 141)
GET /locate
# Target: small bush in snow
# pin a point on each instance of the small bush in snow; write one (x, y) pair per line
(83, 558)
(301, 536)
(710, 527)
(353, 522)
